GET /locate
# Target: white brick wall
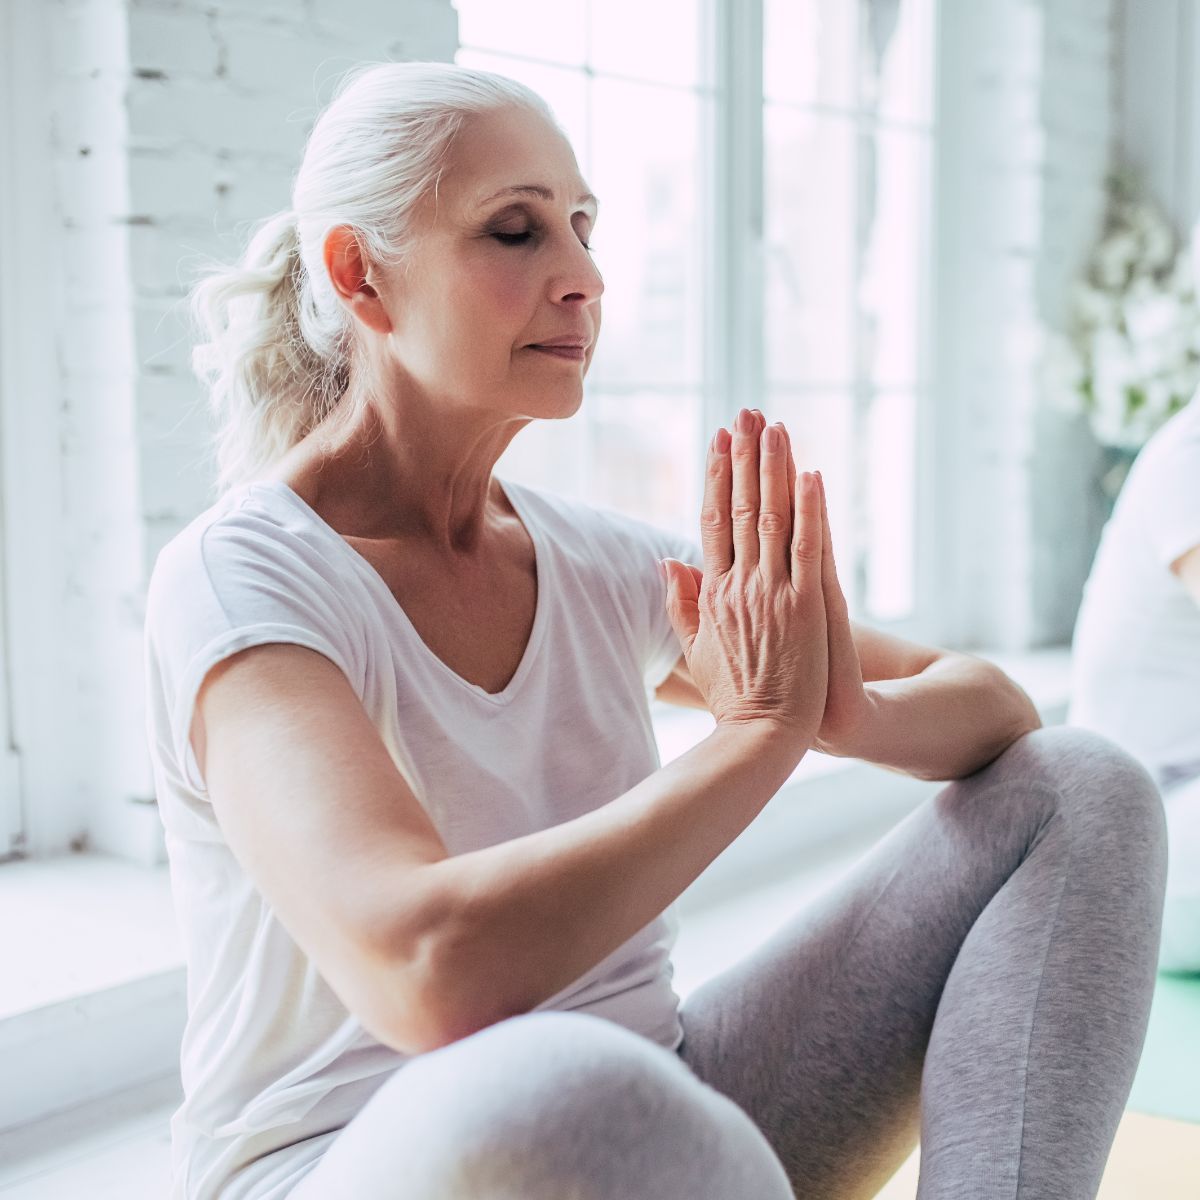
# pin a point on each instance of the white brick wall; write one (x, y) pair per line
(173, 122)
(1026, 138)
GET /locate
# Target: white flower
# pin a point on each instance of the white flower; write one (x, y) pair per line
(1094, 307)
(1134, 327)
(1159, 245)
(1115, 258)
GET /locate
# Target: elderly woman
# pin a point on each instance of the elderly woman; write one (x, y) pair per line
(423, 851)
(1135, 659)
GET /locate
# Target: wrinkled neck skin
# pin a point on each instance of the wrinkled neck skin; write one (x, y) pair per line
(416, 471)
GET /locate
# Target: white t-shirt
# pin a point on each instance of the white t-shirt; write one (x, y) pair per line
(1136, 648)
(270, 1056)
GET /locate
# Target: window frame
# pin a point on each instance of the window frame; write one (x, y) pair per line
(733, 235)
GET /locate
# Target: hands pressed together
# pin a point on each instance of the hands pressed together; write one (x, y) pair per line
(764, 626)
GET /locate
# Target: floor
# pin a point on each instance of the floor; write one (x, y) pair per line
(118, 1149)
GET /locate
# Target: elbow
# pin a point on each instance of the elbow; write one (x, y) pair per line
(446, 1006)
(447, 985)
(1017, 715)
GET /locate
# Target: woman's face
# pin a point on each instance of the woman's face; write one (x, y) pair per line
(492, 274)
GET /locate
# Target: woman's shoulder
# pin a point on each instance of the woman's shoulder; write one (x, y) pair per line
(254, 533)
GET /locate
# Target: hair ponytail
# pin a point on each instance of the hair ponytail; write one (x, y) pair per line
(278, 345)
(267, 384)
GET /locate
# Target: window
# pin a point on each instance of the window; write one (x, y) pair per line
(763, 171)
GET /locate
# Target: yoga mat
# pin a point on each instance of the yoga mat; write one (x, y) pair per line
(1151, 1159)
(1168, 1080)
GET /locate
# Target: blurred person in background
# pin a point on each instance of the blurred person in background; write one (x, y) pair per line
(1135, 663)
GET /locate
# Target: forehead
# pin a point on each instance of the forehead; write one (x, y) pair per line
(510, 155)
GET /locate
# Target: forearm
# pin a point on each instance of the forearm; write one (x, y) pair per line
(534, 914)
(947, 722)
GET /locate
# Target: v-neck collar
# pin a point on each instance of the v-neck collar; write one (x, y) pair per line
(542, 562)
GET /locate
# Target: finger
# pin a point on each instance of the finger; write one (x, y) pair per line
(835, 600)
(807, 537)
(791, 465)
(775, 507)
(683, 593)
(716, 533)
(744, 506)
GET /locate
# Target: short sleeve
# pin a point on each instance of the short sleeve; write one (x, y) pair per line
(636, 549)
(1167, 490)
(240, 581)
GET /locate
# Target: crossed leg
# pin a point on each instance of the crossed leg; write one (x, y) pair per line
(980, 979)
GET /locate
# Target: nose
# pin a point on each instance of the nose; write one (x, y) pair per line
(580, 278)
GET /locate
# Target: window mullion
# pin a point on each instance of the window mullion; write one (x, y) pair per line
(734, 346)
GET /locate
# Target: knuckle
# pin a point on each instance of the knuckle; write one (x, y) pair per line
(743, 513)
(807, 550)
(771, 522)
(712, 518)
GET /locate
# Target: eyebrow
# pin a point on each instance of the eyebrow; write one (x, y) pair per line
(537, 189)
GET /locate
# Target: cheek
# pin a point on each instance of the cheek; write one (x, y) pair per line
(493, 294)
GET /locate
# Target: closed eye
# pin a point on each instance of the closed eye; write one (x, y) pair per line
(516, 239)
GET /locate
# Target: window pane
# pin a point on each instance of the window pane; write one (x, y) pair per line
(659, 42)
(564, 90)
(896, 59)
(889, 440)
(820, 425)
(808, 51)
(893, 255)
(645, 168)
(809, 198)
(549, 454)
(551, 29)
(646, 458)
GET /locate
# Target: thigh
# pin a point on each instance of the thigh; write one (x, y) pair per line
(821, 1033)
(548, 1106)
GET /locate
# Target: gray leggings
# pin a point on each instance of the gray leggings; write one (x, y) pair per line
(981, 979)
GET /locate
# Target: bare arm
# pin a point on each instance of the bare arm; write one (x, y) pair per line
(945, 722)
(531, 915)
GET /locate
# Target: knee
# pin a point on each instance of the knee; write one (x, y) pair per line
(1094, 776)
(579, 1107)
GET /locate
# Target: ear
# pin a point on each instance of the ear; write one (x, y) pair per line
(348, 269)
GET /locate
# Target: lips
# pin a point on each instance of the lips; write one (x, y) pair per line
(573, 353)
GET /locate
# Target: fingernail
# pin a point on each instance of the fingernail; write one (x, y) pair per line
(745, 422)
(771, 438)
(723, 440)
